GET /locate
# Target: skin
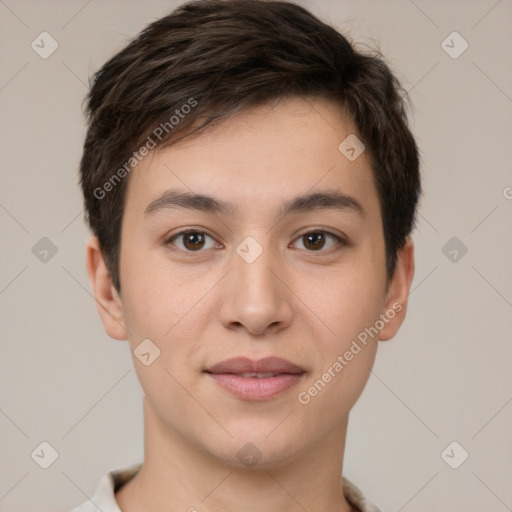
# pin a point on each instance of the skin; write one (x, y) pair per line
(295, 301)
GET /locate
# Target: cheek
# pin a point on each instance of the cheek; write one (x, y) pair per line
(331, 394)
(170, 310)
(349, 303)
(344, 350)
(154, 299)
(345, 302)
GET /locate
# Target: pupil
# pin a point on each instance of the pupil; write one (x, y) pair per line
(189, 239)
(315, 238)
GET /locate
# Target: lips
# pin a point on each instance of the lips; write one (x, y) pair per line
(246, 367)
(255, 380)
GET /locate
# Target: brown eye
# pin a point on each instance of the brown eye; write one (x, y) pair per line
(316, 241)
(191, 241)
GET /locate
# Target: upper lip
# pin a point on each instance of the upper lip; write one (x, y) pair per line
(245, 365)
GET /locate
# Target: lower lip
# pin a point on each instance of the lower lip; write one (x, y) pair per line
(252, 388)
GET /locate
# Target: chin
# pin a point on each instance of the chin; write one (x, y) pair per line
(255, 450)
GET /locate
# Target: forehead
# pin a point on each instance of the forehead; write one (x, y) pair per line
(258, 158)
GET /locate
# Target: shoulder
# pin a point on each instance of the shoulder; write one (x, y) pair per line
(355, 497)
(104, 496)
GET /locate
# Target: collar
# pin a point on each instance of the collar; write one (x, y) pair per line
(105, 501)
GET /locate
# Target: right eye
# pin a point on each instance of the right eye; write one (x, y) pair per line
(191, 240)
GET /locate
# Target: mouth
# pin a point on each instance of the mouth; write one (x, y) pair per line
(255, 380)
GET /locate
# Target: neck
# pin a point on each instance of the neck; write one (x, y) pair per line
(178, 475)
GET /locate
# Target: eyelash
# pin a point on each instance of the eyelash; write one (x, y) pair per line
(342, 242)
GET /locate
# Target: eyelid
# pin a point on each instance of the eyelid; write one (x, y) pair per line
(323, 229)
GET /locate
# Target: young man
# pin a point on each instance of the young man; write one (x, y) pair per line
(251, 183)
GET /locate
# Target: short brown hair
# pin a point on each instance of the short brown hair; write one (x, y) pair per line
(219, 57)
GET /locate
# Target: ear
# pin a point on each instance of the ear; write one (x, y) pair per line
(397, 292)
(108, 301)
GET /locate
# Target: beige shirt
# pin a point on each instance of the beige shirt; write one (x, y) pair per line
(104, 500)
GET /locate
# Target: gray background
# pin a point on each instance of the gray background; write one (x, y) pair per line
(445, 377)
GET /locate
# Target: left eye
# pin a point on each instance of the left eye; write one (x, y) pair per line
(316, 240)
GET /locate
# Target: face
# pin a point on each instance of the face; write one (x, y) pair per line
(284, 258)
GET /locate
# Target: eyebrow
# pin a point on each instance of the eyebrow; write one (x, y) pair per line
(172, 199)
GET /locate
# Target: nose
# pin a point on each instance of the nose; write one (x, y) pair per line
(256, 296)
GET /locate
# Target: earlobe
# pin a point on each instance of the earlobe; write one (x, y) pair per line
(108, 302)
(398, 291)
